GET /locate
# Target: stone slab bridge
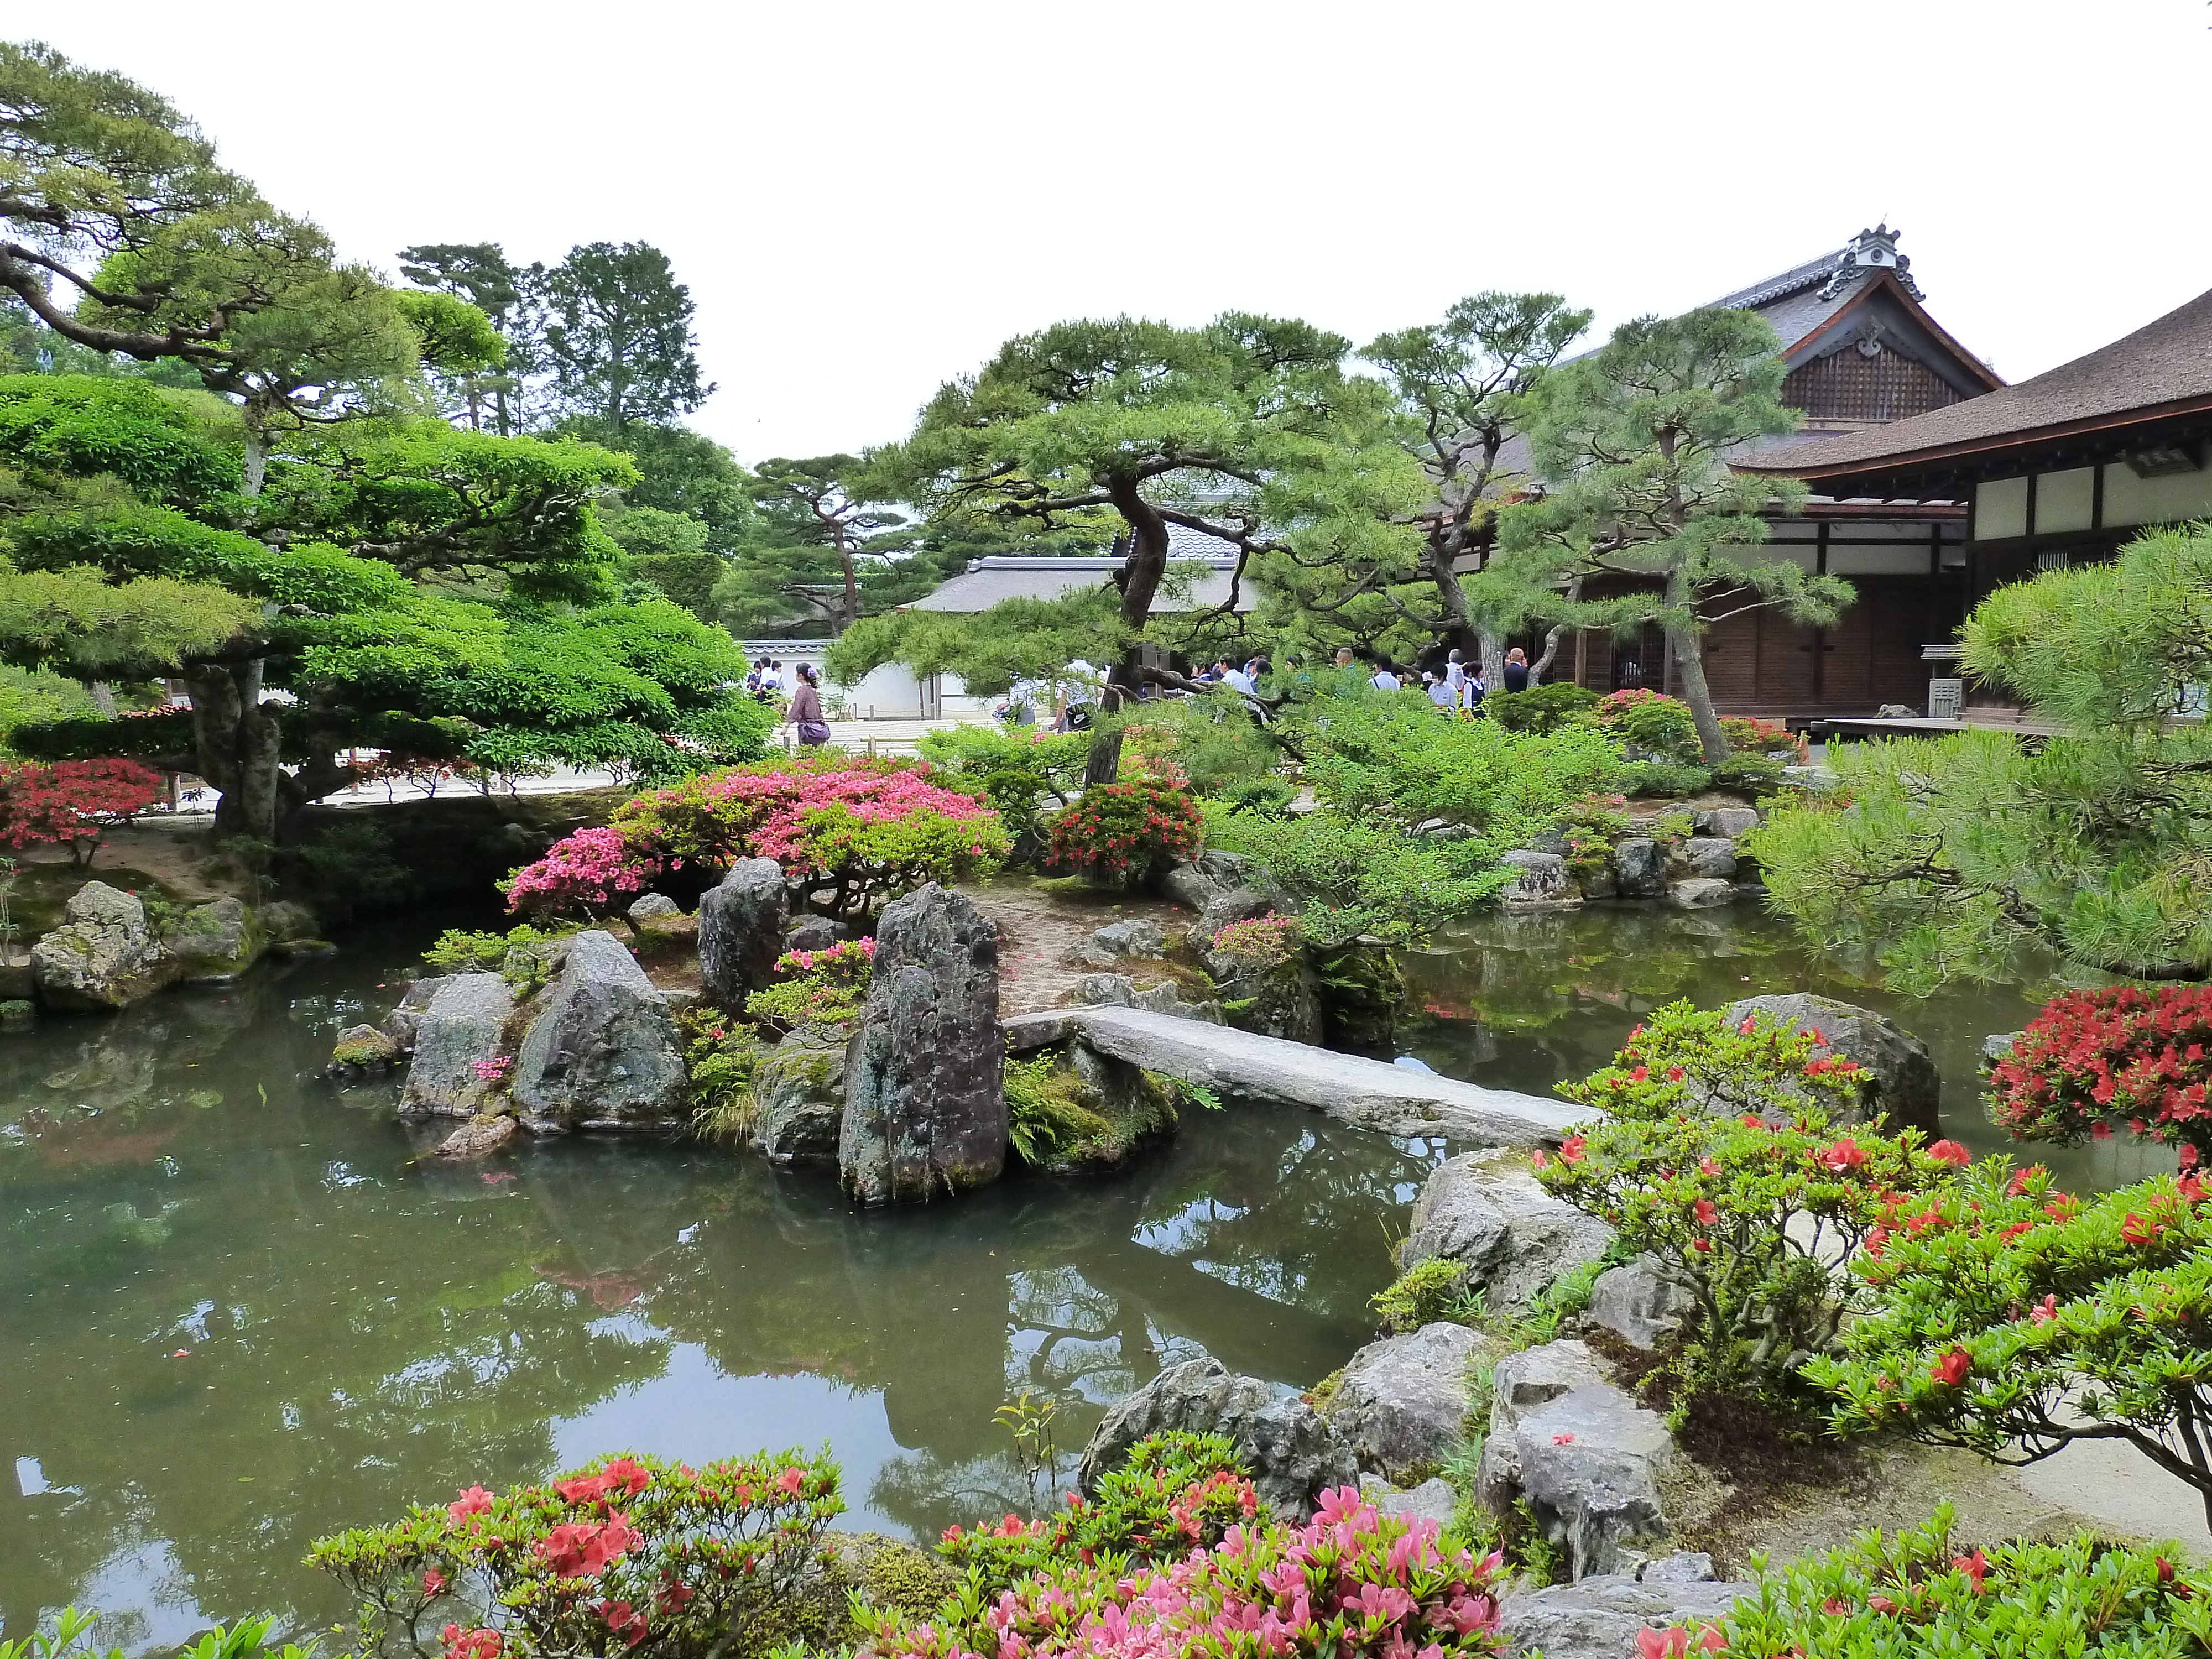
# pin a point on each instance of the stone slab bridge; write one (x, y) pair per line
(1370, 1093)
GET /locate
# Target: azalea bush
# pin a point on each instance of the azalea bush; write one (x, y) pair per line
(1923, 1593)
(1659, 724)
(1023, 775)
(848, 832)
(1748, 734)
(1121, 833)
(627, 1555)
(1177, 1491)
(1719, 1155)
(589, 873)
(1541, 708)
(73, 803)
(2093, 1059)
(1353, 875)
(2013, 1319)
(817, 987)
(1261, 943)
(1350, 1583)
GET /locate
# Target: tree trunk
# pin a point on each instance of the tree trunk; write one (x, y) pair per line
(239, 741)
(1139, 581)
(1457, 624)
(1690, 669)
(1493, 647)
(256, 456)
(103, 696)
(1542, 664)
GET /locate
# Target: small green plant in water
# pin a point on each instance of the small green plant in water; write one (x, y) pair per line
(1029, 1420)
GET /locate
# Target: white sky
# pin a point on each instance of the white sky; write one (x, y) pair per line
(866, 198)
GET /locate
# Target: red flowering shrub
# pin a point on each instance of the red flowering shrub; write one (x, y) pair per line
(587, 872)
(848, 831)
(2091, 1059)
(1747, 734)
(1721, 1155)
(2012, 1319)
(1121, 832)
(632, 1554)
(73, 803)
(1350, 1583)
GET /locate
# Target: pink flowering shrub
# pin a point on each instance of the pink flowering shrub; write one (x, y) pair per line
(1350, 1582)
(850, 832)
(493, 1070)
(628, 1555)
(589, 871)
(1263, 942)
(817, 987)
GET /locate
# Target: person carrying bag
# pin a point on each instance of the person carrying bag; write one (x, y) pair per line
(806, 710)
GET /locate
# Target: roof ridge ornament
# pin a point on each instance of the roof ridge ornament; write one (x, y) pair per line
(1870, 250)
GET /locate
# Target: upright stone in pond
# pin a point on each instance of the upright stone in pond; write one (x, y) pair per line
(741, 932)
(1902, 1083)
(102, 955)
(1639, 867)
(798, 1096)
(1540, 877)
(1487, 1210)
(925, 1101)
(464, 1023)
(603, 1054)
(215, 942)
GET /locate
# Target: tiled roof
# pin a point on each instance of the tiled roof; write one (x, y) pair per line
(2166, 362)
(986, 582)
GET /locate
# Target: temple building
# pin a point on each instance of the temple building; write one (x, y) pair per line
(2058, 469)
(1863, 355)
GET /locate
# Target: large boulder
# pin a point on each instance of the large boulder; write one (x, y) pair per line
(602, 1052)
(1724, 821)
(798, 1099)
(1432, 1500)
(284, 920)
(1711, 856)
(464, 1024)
(1587, 1457)
(103, 954)
(215, 942)
(401, 1023)
(1641, 1302)
(741, 932)
(1639, 867)
(1601, 1617)
(1902, 1083)
(1701, 893)
(1540, 878)
(1204, 876)
(1292, 1454)
(1119, 941)
(1401, 1403)
(651, 906)
(1487, 1210)
(1282, 1000)
(1120, 991)
(925, 1097)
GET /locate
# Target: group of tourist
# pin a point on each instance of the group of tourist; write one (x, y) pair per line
(803, 712)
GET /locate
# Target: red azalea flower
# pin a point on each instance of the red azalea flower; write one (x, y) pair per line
(1951, 1369)
(1570, 1149)
(1950, 1151)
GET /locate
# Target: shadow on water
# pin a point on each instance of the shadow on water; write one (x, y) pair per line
(1529, 1001)
(239, 1315)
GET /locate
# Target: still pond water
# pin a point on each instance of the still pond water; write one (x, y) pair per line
(238, 1314)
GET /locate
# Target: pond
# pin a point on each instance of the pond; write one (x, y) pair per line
(240, 1313)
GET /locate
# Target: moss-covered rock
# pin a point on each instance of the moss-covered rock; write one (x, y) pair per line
(1074, 1110)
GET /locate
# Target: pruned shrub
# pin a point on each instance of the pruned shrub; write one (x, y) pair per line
(2012, 1319)
(2095, 1058)
(1718, 1156)
(1929, 1594)
(1121, 833)
(1540, 708)
(817, 987)
(1352, 1582)
(1433, 1289)
(1661, 726)
(1261, 943)
(1177, 1491)
(628, 1553)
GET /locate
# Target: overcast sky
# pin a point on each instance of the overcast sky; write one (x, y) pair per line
(866, 198)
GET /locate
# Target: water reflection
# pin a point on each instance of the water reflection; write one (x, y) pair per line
(239, 1315)
(1529, 1001)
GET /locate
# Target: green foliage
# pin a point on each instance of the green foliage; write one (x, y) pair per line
(1056, 1120)
(1211, 742)
(719, 1056)
(1659, 779)
(248, 1638)
(1170, 1498)
(1540, 708)
(74, 620)
(516, 953)
(34, 697)
(593, 1562)
(1354, 877)
(1391, 759)
(1944, 858)
(2013, 1319)
(1927, 1594)
(1719, 1157)
(352, 861)
(817, 987)
(825, 545)
(1021, 774)
(1431, 1289)
(1662, 727)
(1265, 798)
(617, 334)
(1748, 774)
